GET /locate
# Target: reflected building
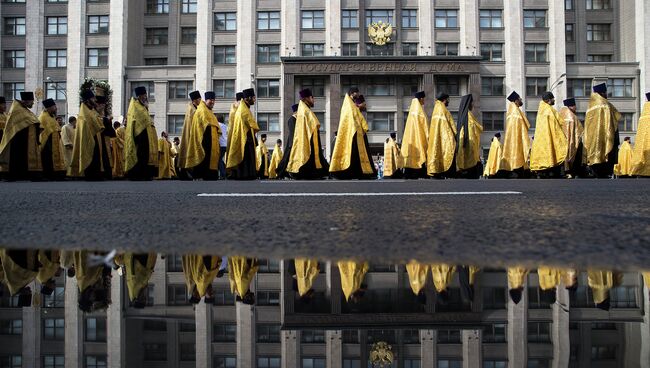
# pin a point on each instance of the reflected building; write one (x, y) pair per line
(282, 330)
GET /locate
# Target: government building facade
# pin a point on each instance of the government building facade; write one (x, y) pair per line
(484, 47)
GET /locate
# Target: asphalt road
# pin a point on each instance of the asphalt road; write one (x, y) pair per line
(603, 223)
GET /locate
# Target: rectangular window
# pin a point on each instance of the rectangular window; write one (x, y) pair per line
(381, 121)
(14, 26)
(14, 59)
(11, 361)
(268, 333)
(449, 337)
(539, 332)
(570, 58)
(98, 24)
(95, 361)
(312, 49)
(492, 51)
(174, 261)
(569, 32)
(380, 86)
(349, 19)
(603, 352)
(409, 49)
(449, 85)
(350, 336)
(267, 54)
(11, 327)
(492, 86)
(599, 58)
(188, 61)
(411, 336)
(493, 298)
(224, 362)
(53, 361)
(269, 122)
(188, 35)
(268, 362)
(579, 87)
(225, 21)
(569, 5)
(224, 333)
(409, 18)
(627, 124)
(225, 55)
(374, 16)
(491, 18)
(157, 6)
(450, 363)
(268, 21)
(57, 25)
(317, 86)
(179, 90)
(155, 61)
(313, 362)
(534, 18)
(155, 36)
(154, 352)
(189, 6)
(411, 363)
(176, 295)
(175, 124)
(12, 90)
(97, 57)
(156, 325)
(495, 363)
(224, 88)
(598, 4)
(535, 87)
(535, 53)
(267, 265)
(349, 49)
(96, 329)
(446, 18)
(224, 297)
(410, 85)
(495, 333)
(188, 352)
(620, 87)
(268, 88)
(53, 329)
(313, 19)
(312, 337)
(536, 298)
(267, 297)
(56, 90)
(377, 50)
(599, 32)
(446, 49)
(624, 297)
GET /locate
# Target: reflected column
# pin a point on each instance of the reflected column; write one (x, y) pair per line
(203, 317)
(428, 352)
(517, 330)
(115, 324)
(73, 325)
(32, 331)
(334, 348)
(560, 333)
(290, 349)
(245, 335)
(472, 350)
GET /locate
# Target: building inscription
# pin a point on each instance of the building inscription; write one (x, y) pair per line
(383, 68)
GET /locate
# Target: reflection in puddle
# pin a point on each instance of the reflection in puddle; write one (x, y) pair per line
(87, 309)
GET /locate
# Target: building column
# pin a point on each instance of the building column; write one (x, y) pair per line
(159, 281)
(333, 286)
(204, 16)
(290, 13)
(34, 49)
(429, 88)
(117, 49)
(286, 91)
(560, 332)
(246, 15)
(642, 35)
(468, 20)
(428, 352)
(74, 351)
(115, 324)
(333, 112)
(290, 349)
(514, 48)
(557, 49)
(517, 330)
(76, 63)
(32, 332)
(245, 336)
(645, 329)
(159, 108)
(425, 27)
(472, 349)
(334, 348)
(203, 316)
(333, 24)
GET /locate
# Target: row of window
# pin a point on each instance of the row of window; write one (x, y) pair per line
(162, 6)
(595, 32)
(589, 4)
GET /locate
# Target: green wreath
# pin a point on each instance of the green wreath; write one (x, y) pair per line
(94, 85)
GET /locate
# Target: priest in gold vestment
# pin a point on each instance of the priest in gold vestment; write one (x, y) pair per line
(241, 271)
(117, 146)
(242, 127)
(181, 160)
(623, 169)
(52, 156)
(202, 148)
(306, 160)
(493, 162)
(20, 267)
(516, 281)
(516, 143)
(67, 138)
(165, 163)
(441, 153)
(573, 130)
(140, 141)
(262, 158)
(601, 282)
(392, 158)
(20, 158)
(3, 115)
(415, 139)
(199, 272)
(138, 269)
(601, 138)
(468, 156)
(641, 153)
(276, 157)
(87, 151)
(549, 148)
(307, 270)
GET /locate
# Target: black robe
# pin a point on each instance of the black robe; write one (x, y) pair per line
(202, 170)
(247, 168)
(282, 166)
(142, 170)
(308, 171)
(48, 162)
(107, 134)
(18, 160)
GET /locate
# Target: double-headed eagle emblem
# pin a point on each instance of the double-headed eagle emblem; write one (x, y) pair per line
(380, 33)
(381, 354)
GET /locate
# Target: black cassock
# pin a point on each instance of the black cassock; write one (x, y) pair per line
(19, 156)
(142, 170)
(282, 166)
(203, 170)
(94, 170)
(308, 171)
(247, 168)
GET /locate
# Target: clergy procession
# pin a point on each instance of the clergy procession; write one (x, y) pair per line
(20, 270)
(93, 147)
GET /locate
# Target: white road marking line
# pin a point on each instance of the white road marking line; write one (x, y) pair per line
(331, 181)
(387, 194)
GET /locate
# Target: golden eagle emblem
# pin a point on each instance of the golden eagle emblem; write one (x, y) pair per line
(381, 354)
(380, 33)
